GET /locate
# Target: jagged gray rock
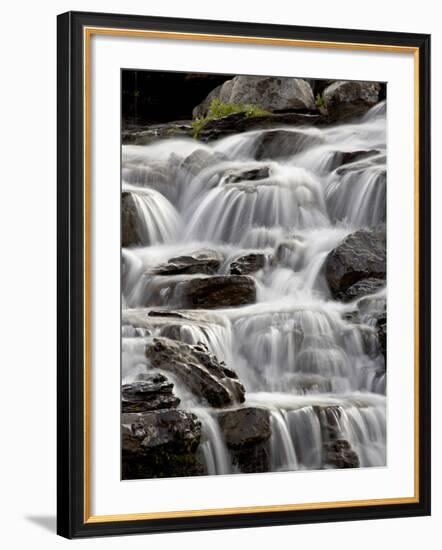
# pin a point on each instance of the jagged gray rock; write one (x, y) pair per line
(160, 444)
(207, 378)
(360, 256)
(201, 261)
(152, 392)
(248, 263)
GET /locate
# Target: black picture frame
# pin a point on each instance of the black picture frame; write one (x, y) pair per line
(72, 393)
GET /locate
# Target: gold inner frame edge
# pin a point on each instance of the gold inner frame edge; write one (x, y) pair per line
(134, 33)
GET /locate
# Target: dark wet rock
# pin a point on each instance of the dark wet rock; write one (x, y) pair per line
(153, 392)
(381, 328)
(277, 144)
(145, 135)
(249, 263)
(240, 122)
(340, 454)
(165, 313)
(253, 174)
(245, 426)
(217, 292)
(270, 93)
(206, 377)
(151, 319)
(355, 156)
(363, 287)
(201, 261)
(346, 99)
(130, 234)
(342, 158)
(160, 444)
(361, 255)
(247, 432)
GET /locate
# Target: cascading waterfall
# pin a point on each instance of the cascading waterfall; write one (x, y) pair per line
(296, 350)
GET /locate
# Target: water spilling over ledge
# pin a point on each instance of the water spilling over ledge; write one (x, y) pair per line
(244, 263)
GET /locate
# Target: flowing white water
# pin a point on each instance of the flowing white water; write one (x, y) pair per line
(216, 455)
(295, 349)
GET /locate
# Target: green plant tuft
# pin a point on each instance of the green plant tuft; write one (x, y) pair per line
(218, 110)
(319, 100)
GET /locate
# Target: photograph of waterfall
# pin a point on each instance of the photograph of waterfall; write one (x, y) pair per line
(253, 274)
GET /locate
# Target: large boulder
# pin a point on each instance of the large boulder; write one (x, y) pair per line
(346, 99)
(269, 92)
(201, 261)
(217, 292)
(130, 233)
(220, 92)
(246, 433)
(361, 256)
(199, 370)
(160, 444)
(153, 392)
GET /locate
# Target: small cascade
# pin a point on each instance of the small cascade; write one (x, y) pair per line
(302, 350)
(283, 455)
(157, 219)
(305, 432)
(358, 196)
(217, 458)
(288, 197)
(363, 427)
(133, 358)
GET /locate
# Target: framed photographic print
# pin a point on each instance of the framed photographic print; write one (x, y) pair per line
(243, 218)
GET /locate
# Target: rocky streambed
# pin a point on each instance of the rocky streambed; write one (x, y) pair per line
(254, 286)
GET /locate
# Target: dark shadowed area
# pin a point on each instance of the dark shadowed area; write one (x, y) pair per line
(150, 96)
